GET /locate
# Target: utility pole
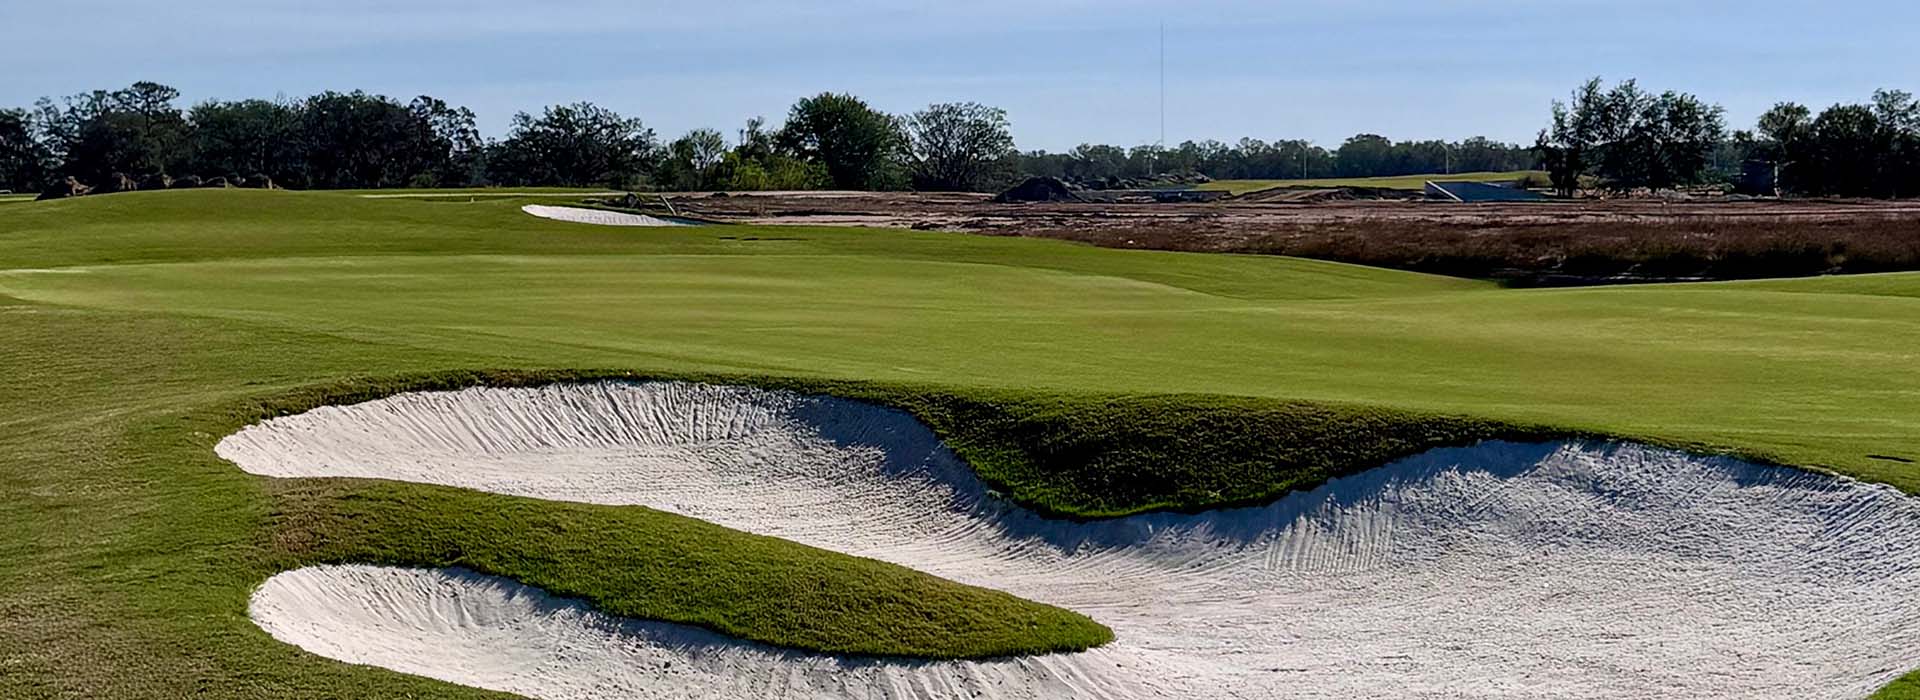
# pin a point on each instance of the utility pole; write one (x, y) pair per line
(1162, 149)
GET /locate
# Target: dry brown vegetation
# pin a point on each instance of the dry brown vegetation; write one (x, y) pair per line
(1526, 244)
(1536, 254)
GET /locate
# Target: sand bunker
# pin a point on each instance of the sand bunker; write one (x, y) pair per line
(581, 215)
(1501, 570)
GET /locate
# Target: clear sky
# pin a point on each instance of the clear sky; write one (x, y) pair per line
(1066, 71)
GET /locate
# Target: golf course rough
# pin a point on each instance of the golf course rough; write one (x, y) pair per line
(142, 327)
(1503, 569)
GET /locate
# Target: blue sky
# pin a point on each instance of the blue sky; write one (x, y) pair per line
(1066, 72)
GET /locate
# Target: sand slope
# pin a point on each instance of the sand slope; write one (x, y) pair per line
(1501, 570)
(581, 215)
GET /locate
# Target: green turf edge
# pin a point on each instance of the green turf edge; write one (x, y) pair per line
(638, 562)
(1086, 456)
(550, 544)
(1078, 456)
(1095, 455)
(1907, 688)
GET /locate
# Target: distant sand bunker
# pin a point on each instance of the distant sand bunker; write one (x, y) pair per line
(581, 215)
(1502, 570)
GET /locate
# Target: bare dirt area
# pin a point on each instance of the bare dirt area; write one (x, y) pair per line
(1526, 243)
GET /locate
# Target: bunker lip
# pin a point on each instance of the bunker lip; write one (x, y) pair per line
(1566, 569)
(456, 625)
(602, 217)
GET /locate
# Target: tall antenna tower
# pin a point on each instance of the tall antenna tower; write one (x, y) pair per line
(1161, 145)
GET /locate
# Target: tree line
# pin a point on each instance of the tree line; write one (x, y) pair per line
(1618, 138)
(361, 140)
(1624, 138)
(1363, 155)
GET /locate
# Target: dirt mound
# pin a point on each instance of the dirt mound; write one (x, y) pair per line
(62, 189)
(117, 182)
(1308, 195)
(1038, 189)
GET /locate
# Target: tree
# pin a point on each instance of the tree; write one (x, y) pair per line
(1686, 132)
(449, 151)
(1781, 144)
(1847, 148)
(361, 140)
(249, 136)
(575, 145)
(24, 160)
(859, 146)
(759, 163)
(1481, 154)
(1899, 117)
(1628, 138)
(774, 172)
(1364, 155)
(1856, 150)
(693, 160)
(756, 143)
(959, 146)
(1092, 162)
(135, 130)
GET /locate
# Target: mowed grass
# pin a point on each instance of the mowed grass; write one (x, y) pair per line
(1397, 182)
(642, 563)
(406, 192)
(140, 328)
(1907, 688)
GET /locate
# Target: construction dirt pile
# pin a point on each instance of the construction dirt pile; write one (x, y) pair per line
(1038, 189)
(1307, 195)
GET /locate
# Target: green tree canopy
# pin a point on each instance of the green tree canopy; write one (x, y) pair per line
(959, 146)
(860, 146)
(576, 145)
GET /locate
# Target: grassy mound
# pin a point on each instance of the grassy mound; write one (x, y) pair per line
(1100, 455)
(1907, 688)
(642, 563)
(645, 564)
(1084, 456)
(1064, 455)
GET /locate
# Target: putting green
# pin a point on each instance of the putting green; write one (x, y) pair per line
(136, 325)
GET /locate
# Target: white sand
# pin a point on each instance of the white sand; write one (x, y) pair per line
(1498, 571)
(581, 215)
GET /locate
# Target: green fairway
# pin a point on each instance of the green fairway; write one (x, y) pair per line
(138, 329)
(1397, 182)
(407, 193)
